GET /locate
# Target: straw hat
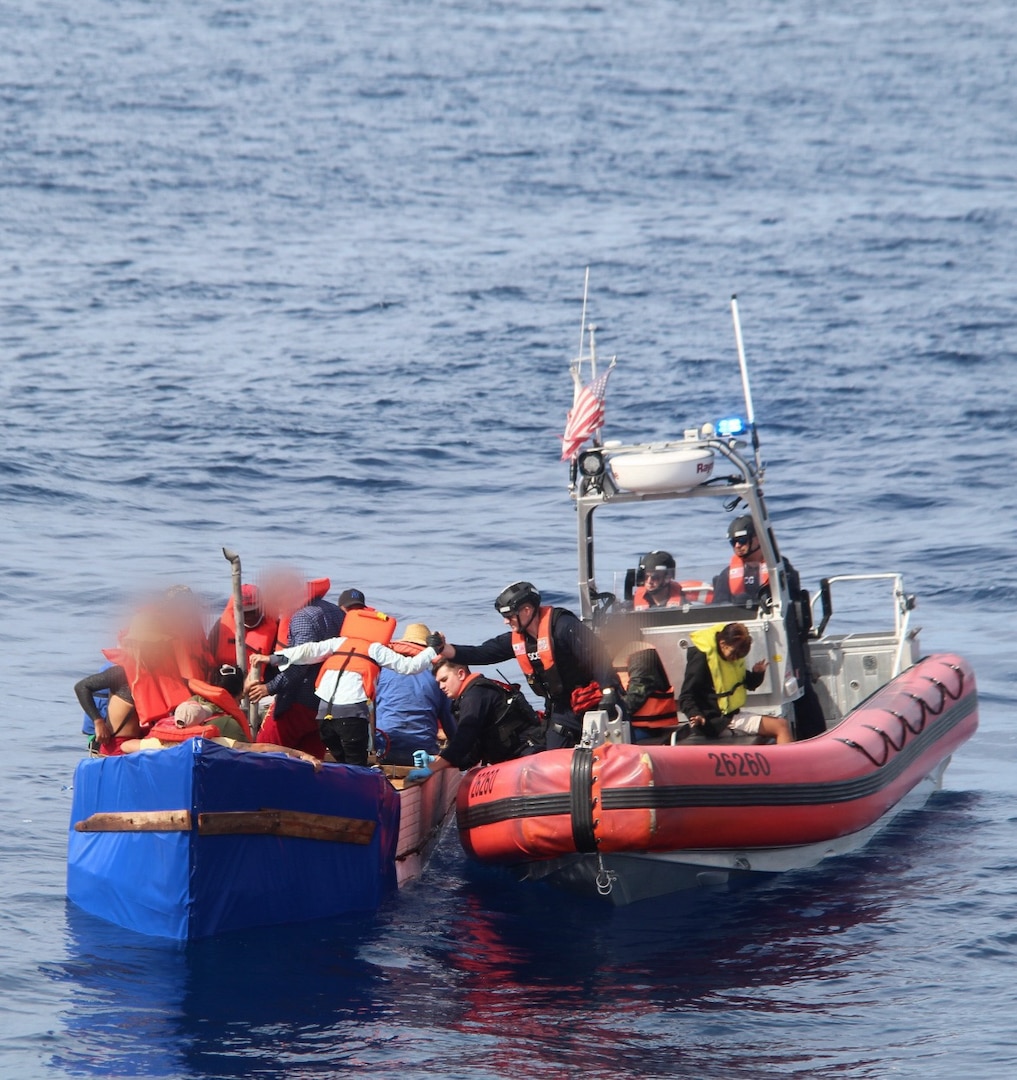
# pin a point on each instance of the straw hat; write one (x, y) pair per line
(416, 632)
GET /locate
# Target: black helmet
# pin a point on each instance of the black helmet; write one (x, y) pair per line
(656, 560)
(513, 596)
(741, 527)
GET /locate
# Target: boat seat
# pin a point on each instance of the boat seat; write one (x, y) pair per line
(683, 736)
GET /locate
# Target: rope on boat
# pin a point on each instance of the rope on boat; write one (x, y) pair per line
(925, 711)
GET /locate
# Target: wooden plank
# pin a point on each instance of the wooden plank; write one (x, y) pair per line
(136, 821)
(294, 823)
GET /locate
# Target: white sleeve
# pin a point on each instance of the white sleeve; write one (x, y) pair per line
(403, 665)
(310, 652)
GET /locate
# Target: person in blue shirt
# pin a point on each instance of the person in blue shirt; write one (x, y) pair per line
(409, 710)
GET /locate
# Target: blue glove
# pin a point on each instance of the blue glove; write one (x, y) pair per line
(421, 758)
(417, 776)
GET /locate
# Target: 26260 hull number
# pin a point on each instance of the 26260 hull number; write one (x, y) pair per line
(737, 763)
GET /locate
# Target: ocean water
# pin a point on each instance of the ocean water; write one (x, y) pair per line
(304, 280)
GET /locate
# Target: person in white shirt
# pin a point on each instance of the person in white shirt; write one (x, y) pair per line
(345, 688)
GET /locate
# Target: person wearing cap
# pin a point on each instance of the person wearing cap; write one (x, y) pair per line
(259, 630)
(564, 662)
(741, 580)
(348, 667)
(409, 710)
(658, 587)
(293, 718)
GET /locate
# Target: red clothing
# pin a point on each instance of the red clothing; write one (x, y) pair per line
(296, 727)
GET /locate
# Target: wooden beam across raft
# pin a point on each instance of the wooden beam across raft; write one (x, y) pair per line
(292, 823)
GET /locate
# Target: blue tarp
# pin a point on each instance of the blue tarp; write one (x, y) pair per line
(182, 885)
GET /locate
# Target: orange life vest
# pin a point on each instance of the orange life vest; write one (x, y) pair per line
(545, 651)
(362, 627)
(316, 589)
(659, 710)
(736, 574)
(156, 689)
(675, 597)
(166, 730)
(224, 701)
(258, 639)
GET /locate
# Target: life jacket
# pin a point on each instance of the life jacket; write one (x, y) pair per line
(317, 588)
(544, 677)
(224, 701)
(659, 710)
(736, 575)
(728, 675)
(362, 627)
(166, 730)
(698, 591)
(157, 688)
(515, 728)
(407, 648)
(675, 597)
(258, 639)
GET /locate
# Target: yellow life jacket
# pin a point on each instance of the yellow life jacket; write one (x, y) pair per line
(728, 675)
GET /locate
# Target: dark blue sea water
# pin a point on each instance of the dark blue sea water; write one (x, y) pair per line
(304, 280)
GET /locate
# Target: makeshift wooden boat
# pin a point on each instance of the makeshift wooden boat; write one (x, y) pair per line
(200, 839)
(876, 722)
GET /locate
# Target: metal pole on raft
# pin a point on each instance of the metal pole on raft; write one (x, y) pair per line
(238, 620)
(750, 414)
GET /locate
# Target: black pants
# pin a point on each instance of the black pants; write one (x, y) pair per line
(564, 730)
(347, 733)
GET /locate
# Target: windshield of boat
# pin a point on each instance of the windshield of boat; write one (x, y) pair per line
(693, 531)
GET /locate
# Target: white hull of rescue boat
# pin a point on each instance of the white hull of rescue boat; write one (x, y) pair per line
(628, 877)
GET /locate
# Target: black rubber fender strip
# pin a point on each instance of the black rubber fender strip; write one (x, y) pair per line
(581, 799)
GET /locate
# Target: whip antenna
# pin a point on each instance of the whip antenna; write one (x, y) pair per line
(750, 414)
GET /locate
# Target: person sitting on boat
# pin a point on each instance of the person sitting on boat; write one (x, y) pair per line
(260, 630)
(658, 588)
(348, 674)
(494, 722)
(293, 718)
(119, 721)
(216, 703)
(564, 662)
(649, 695)
(409, 710)
(716, 682)
(745, 575)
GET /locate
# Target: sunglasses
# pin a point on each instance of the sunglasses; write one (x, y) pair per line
(736, 540)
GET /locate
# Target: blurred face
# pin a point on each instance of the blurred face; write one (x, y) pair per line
(450, 679)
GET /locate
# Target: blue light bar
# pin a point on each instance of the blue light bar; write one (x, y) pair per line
(730, 426)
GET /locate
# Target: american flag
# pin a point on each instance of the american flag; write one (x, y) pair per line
(586, 417)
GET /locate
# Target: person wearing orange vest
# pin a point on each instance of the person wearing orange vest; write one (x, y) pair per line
(564, 662)
(259, 629)
(293, 717)
(649, 696)
(658, 588)
(741, 580)
(348, 675)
